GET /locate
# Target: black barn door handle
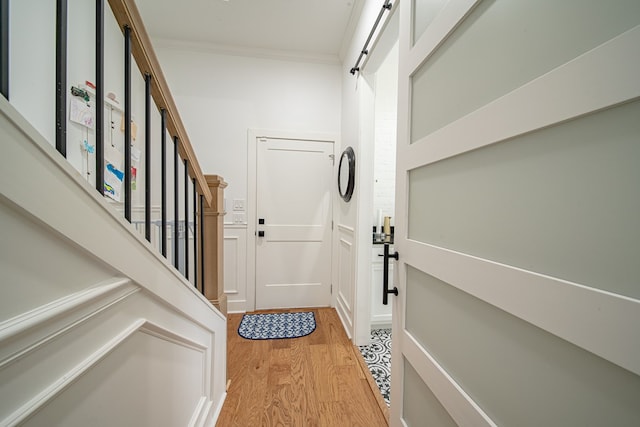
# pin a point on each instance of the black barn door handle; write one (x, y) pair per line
(385, 275)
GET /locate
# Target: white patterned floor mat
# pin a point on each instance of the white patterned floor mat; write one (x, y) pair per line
(276, 325)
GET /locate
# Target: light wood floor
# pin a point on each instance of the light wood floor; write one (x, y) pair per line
(315, 380)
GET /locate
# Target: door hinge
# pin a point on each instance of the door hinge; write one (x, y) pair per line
(332, 224)
(333, 158)
(331, 288)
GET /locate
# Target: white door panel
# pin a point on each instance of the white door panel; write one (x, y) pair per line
(516, 214)
(293, 247)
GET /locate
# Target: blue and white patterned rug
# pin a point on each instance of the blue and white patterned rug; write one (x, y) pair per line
(378, 358)
(277, 325)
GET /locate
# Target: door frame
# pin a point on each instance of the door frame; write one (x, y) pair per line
(252, 219)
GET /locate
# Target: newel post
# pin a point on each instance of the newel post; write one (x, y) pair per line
(213, 241)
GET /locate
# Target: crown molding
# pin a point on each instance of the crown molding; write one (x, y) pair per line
(251, 52)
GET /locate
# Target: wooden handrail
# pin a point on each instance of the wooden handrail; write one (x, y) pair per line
(126, 14)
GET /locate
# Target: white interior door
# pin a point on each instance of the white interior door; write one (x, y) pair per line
(518, 214)
(294, 214)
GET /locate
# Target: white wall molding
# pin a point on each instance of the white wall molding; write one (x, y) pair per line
(213, 413)
(346, 229)
(252, 165)
(344, 303)
(48, 312)
(237, 306)
(345, 282)
(206, 413)
(351, 28)
(155, 209)
(157, 331)
(381, 321)
(235, 268)
(232, 257)
(26, 333)
(234, 226)
(345, 286)
(250, 52)
(199, 415)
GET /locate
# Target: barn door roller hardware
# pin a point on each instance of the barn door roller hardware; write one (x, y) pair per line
(365, 49)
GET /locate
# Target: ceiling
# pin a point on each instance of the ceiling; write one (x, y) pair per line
(304, 28)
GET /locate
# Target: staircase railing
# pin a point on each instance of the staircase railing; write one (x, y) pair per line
(110, 155)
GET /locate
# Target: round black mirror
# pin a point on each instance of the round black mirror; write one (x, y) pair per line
(347, 174)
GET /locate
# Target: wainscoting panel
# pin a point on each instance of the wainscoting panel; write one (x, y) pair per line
(231, 266)
(49, 357)
(346, 277)
(156, 368)
(36, 258)
(235, 267)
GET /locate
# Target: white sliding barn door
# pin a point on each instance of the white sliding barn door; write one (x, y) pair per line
(518, 214)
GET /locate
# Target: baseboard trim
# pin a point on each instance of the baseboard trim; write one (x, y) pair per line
(381, 321)
(345, 320)
(202, 408)
(216, 413)
(236, 306)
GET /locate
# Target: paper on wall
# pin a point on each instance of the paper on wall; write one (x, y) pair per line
(113, 178)
(134, 128)
(134, 178)
(135, 155)
(82, 112)
(113, 155)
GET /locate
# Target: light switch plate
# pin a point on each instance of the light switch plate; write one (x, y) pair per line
(238, 204)
(239, 218)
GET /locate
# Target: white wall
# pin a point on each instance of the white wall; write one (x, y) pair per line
(32, 92)
(358, 131)
(221, 97)
(32, 76)
(384, 165)
(32, 72)
(384, 157)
